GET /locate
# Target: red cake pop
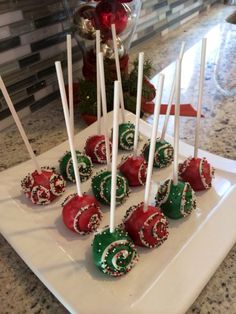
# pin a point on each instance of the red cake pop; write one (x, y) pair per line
(44, 184)
(97, 145)
(146, 228)
(198, 172)
(134, 168)
(42, 188)
(81, 214)
(145, 224)
(95, 148)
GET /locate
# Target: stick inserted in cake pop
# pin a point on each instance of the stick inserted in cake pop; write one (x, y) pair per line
(176, 127)
(200, 96)
(66, 163)
(19, 125)
(70, 80)
(134, 166)
(171, 98)
(164, 151)
(118, 72)
(176, 199)
(139, 101)
(101, 182)
(114, 156)
(68, 126)
(96, 145)
(43, 185)
(104, 107)
(113, 251)
(98, 50)
(81, 212)
(146, 224)
(153, 141)
(126, 129)
(198, 171)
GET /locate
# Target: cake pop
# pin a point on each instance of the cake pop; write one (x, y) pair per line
(134, 167)
(101, 182)
(95, 148)
(163, 153)
(44, 184)
(84, 163)
(113, 251)
(146, 228)
(101, 186)
(126, 136)
(176, 200)
(198, 171)
(81, 212)
(96, 145)
(145, 224)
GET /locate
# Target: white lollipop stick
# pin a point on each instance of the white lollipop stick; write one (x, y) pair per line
(117, 60)
(114, 156)
(68, 127)
(104, 107)
(138, 103)
(19, 125)
(98, 50)
(70, 81)
(200, 96)
(172, 93)
(176, 128)
(153, 141)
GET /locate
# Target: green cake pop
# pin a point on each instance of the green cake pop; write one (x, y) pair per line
(176, 201)
(114, 253)
(101, 186)
(126, 136)
(164, 153)
(84, 166)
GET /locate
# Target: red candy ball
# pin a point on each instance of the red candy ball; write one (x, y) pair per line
(111, 12)
(134, 168)
(198, 172)
(95, 148)
(148, 229)
(42, 188)
(81, 214)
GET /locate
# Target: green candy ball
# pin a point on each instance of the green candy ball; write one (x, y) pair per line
(164, 153)
(84, 166)
(126, 136)
(176, 201)
(101, 186)
(114, 253)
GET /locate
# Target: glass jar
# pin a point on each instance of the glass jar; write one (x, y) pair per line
(87, 16)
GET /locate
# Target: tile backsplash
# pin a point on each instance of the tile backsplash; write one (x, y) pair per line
(32, 37)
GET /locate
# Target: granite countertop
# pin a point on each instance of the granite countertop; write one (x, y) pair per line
(21, 290)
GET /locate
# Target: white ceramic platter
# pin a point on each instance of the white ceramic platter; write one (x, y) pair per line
(165, 280)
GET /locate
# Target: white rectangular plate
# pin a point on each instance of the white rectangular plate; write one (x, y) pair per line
(165, 280)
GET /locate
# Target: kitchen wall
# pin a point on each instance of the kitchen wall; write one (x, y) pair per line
(32, 37)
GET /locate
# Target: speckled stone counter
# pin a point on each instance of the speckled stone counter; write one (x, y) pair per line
(21, 290)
